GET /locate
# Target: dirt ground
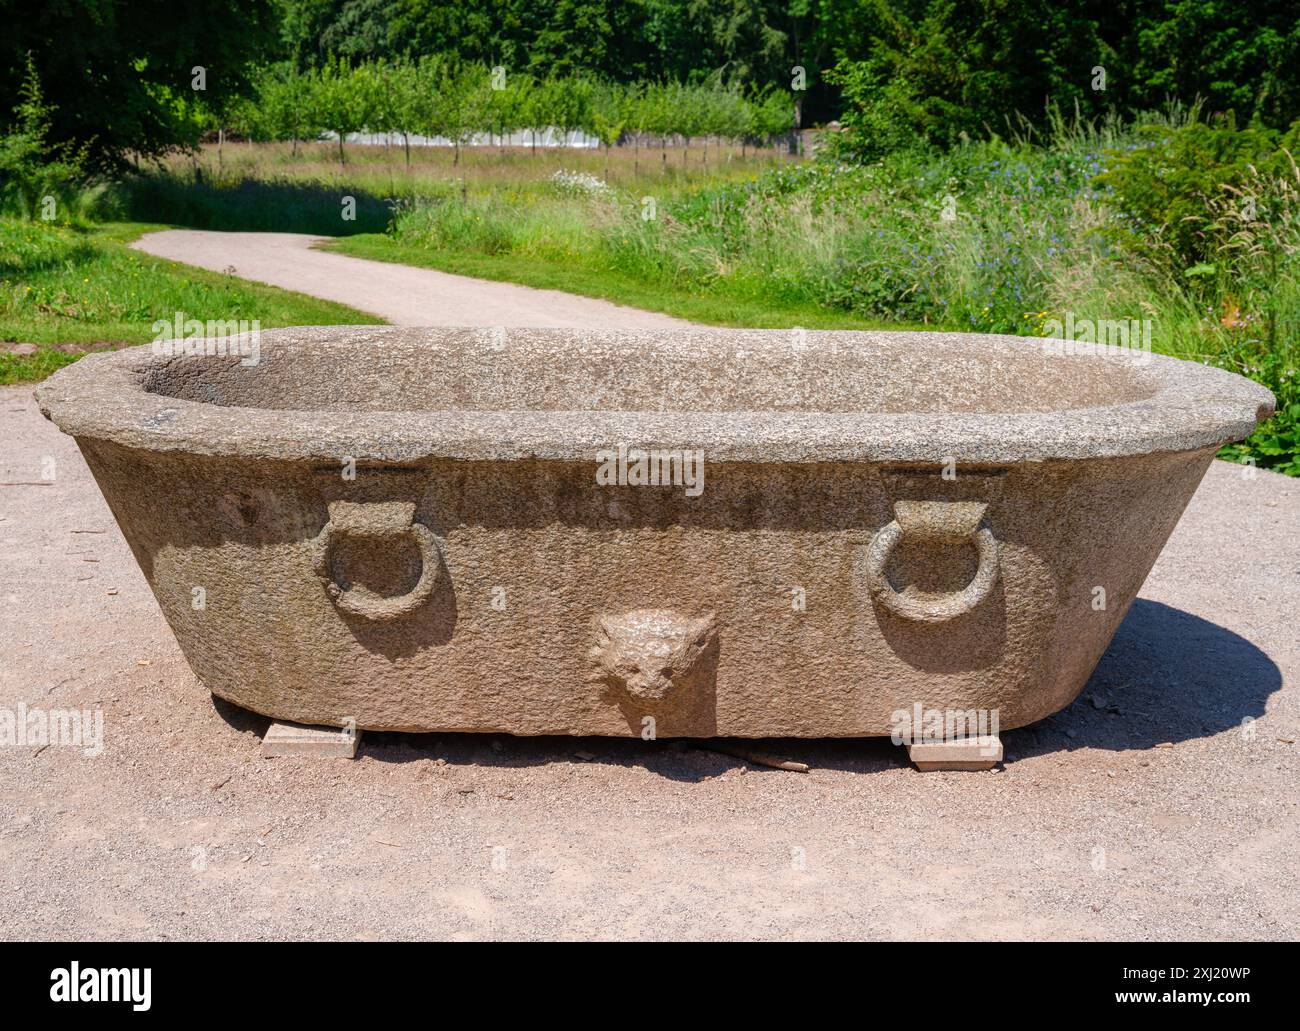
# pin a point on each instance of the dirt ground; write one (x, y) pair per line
(402, 295)
(1161, 805)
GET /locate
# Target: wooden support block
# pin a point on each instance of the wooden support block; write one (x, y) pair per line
(293, 739)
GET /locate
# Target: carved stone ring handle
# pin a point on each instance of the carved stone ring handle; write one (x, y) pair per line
(939, 522)
(377, 521)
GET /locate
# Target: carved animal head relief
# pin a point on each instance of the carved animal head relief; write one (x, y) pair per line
(652, 652)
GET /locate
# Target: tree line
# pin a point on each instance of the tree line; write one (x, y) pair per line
(459, 101)
(116, 74)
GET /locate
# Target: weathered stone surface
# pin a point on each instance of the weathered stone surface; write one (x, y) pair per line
(405, 527)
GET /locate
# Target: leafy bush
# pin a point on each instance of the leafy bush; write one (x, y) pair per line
(881, 116)
(1163, 184)
(1276, 444)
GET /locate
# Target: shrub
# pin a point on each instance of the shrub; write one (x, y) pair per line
(1164, 183)
(30, 166)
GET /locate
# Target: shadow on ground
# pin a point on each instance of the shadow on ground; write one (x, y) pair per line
(250, 205)
(1168, 676)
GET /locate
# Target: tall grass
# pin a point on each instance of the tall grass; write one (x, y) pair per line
(975, 239)
(279, 188)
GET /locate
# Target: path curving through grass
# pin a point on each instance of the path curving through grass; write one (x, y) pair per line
(399, 294)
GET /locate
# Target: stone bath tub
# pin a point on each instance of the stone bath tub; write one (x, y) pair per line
(447, 529)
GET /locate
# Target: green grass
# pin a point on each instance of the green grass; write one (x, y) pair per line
(32, 368)
(590, 280)
(81, 284)
(505, 192)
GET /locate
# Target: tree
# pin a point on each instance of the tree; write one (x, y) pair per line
(340, 101)
(540, 37)
(285, 103)
(609, 114)
(451, 100)
(404, 80)
(508, 103)
(938, 70)
(30, 166)
(934, 70)
(373, 82)
(771, 113)
(464, 104)
(568, 104)
(119, 74)
(1239, 55)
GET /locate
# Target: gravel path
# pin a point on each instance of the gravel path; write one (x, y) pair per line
(1146, 810)
(399, 294)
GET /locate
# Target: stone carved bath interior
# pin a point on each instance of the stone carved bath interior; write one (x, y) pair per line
(404, 529)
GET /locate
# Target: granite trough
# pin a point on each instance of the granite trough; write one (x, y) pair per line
(678, 533)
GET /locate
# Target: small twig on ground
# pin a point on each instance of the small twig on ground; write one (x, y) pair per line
(758, 758)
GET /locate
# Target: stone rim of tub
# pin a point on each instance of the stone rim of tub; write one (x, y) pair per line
(1192, 406)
